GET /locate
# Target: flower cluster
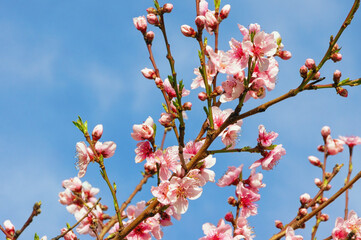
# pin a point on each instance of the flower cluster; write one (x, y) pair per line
(349, 228)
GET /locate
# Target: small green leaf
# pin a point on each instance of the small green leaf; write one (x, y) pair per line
(199, 54)
(205, 41)
(343, 82)
(171, 81)
(205, 109)
(165, 107)
(181, 86)
(156, 5)
(155, 129)
(217, 3)
(36, 237)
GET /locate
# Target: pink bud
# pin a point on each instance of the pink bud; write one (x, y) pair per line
(218, 90)
(302, 212)
(9, 227)
(140, 23)
(314, 161)
(324, 199)
(151, 10)
(97, 132)
(325, 131)
(225, 11)
(148, 73)
(202, 96)
(278, 224)
(232, 201)
(324, 217)
(321, 148)
(168, 7)
(310, 63)
(187, 106)
(149, 36)
(305, 198)
(285, 55)
(318, 182)
(188, 31)
(316, 76)
(303, 71)
(211, 20)
(254, 28)
(229, 217)
(150, 168)
(158, 82)
(200, 21)
(342, 91)
(336, 76)
(336, 57)
(328, 187)
(152, 19)
(166, 119)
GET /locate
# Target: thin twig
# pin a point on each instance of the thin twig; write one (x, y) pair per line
(36, 211)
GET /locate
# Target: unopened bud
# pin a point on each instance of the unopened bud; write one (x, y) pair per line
(97, 132)
(167, 8)
(321, 148)
(336, 76)
(188, 31)
(218, 90)
(336, 57)
(335, 47)
(150, 168)
(315, 206)
(305, 198)
(151, 10)
(202, 96)
(310, 63)
(225, 11)
(187, 106)
(303, 71)
(318, 182)
(328, 175)
(158, 82)
(328, 187)
(314, 161)
(229, 217)
(322, 200)
(166, 119)
(278, 224)
(140, 23)
(285, 55)
(316, 76)
(324, 217)
(211, 20)
(152, 19)
(302, 212)
(232, 201)
(342, 91)
(149, 36)
(325, 131)
(9, 227)
(148, 73)
(200, 21)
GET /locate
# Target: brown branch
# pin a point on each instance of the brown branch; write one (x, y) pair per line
(36, 211)
(8, 236)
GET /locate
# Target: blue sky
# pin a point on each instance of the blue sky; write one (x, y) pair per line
(62, 59)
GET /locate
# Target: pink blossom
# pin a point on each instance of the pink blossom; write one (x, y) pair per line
(69, 236)
(203, 7)
(233, 88)
(230, 135)
(140, 232)
(143, 151)
(83, 158)
(238, 54)
(97, 132)
(168, 161)
(9, 227)
(344, 227)
(93, 219)
(325, 131)
(149, 73)
(231, 177)
(265, 139)
(167, 7)
(351, 141)
(221, 60)
(243, 230)
(220, 116)
(198, 81)
(107, 149)
(143, 131)
(88, 193)
(170, 90)
(211, 22)
(255, 181)
(73, 184)
(180, 190)
(192, 148)
(333, 146)
(290, 234)
(246, 200)
(140, 23)
(161, 192)
(205, 171)
(166, 119)
(222, 231)
(271, 159)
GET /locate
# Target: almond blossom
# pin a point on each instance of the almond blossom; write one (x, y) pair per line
(351, 141)
(265, 139)
(247, 198)
(232, 176)
(143, 151)
(222, 231)
(271, 159)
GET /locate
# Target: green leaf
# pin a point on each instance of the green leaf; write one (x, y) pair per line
(206, 110)
(36, 237)
(156, 5)
(217, 3)
(155, 129)
(165, 107)
(181, 86)
(343, 82)
(199, 54)
(171, 81)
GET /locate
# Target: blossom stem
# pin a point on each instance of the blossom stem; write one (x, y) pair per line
(347, 180)
(244, 149)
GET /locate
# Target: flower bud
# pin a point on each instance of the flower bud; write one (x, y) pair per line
(278, 224)
(303, 71)
(188, 31)
(328, 175)
(305, 198)
(328, 187)
(318, 182)
(324, 217)
(150, 168)
(200, 21)
(225, 11)
(9, 227)
(322, 200)
(302, 212)
(158, 82)
(97, 132)
(167, 8)
(335, 47)
(325, 131)
(232, 201)
(316, 76)
(211, 20)
(187, 106)
(336, 76)
(321, 148)
(229, 217)
(285, 55)
(152, 19)
(140, 23)
(149, 36)
(218, 90)
(342, 91)
(148, 73)
(336, 57)
(314, 161)
(151, 10)
(310, 63)
(202, 96)
(165, 119)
